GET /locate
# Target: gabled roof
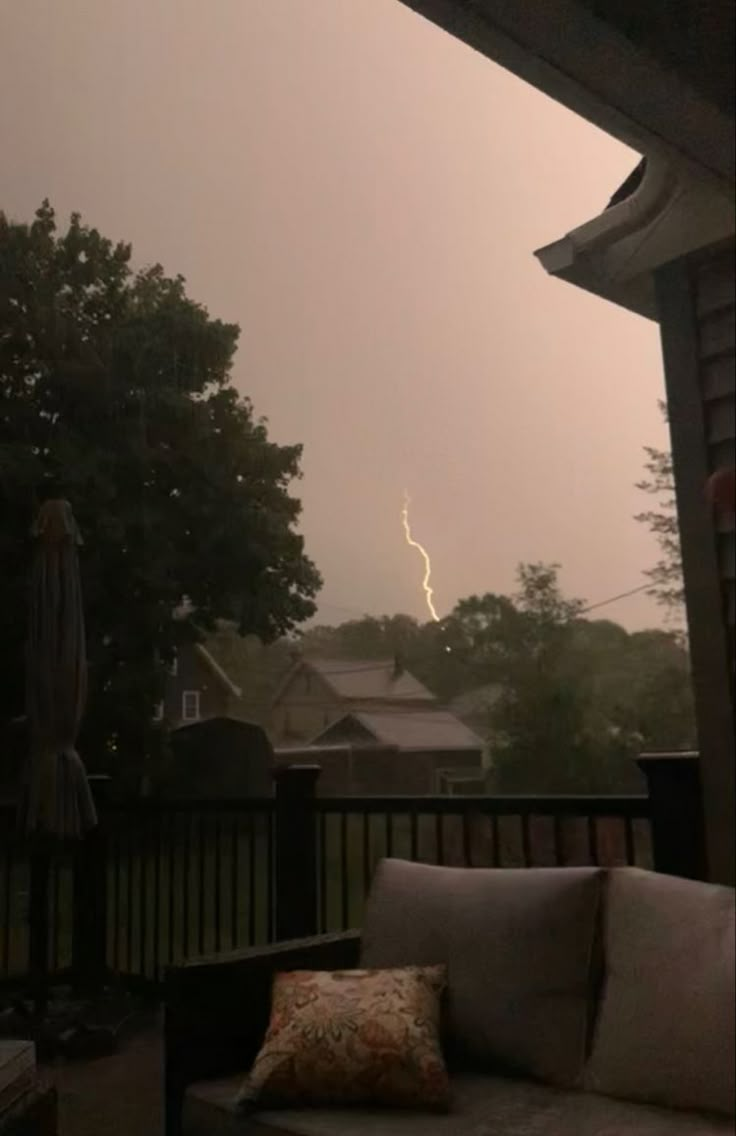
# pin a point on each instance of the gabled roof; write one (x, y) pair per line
(362, 680)
(216, 670)
(411, 729)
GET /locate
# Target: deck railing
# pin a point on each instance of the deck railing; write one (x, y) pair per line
(158, 882)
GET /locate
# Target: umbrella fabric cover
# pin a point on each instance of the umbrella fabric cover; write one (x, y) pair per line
(57, 800)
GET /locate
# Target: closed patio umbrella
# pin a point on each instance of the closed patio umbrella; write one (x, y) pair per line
(56, 800)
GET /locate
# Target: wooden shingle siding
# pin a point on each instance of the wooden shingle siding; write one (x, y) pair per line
(714, 286)
(717, 376)
(695, 301)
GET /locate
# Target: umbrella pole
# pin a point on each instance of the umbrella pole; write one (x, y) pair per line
(38, 946)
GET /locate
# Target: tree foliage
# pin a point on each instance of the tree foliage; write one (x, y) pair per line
(116, 391)
(659, 483)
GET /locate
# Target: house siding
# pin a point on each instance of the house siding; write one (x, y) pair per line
(696, 311)
(714, 283)
(193, 674)
(305, 708)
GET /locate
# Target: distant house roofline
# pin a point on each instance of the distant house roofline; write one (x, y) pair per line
(211, 663)
(415, 693)
(382, 725)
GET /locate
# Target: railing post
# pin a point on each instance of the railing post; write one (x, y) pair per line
(89, 927)
(675, 795)
(295, 890)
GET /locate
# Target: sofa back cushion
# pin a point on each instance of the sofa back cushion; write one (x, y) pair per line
(665, 1031)
(519, 947)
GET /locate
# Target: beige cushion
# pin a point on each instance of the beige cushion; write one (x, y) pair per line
(666, 1026)
(519, 948)
(348, 1037)
(484, 1106)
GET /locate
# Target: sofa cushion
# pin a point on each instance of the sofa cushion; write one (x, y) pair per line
(519, 946)
(666, 1026)
(484, 1106)
(353, 1037)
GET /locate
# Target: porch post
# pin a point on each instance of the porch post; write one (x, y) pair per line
(295, 890)
(675, 794)
(89, 927)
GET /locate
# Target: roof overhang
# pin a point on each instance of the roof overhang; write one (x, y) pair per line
(671, 214)
(583, 62)
(215, 668)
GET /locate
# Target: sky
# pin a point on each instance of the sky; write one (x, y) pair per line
(363, 195)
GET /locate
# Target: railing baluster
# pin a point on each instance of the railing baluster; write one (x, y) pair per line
(414, 834)
(558, 841)
(218, 884)
(186, 884)
(322, 857)
(234, 858)
(271, 876)
(344, 871)
(114, 846)
(389, 834)
(496, 841)
(143, 894)
(55, 929)
(439, 838)
(8, 895)
(130, 843)
(367, 864)
(202, 884)
(157, 850)
(467, 840)
(593, 839)
(252, 879)
(172, 882)
(629, 839)
(526, 839)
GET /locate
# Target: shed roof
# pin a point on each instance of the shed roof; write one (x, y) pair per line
(412, 729)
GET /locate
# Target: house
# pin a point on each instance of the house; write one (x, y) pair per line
(197, 688)
(316, 692)
(660, 77)
(407, 751)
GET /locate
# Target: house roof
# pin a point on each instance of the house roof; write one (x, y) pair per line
(660, 81)
(363, 680)
(658, 215)
(216, 670)
(413, 729)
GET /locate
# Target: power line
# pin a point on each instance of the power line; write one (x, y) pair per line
(613, 599)
(583, 611)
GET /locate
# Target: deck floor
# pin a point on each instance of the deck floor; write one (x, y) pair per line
(113, 1096)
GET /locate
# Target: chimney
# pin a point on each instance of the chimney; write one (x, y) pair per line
(398, 667)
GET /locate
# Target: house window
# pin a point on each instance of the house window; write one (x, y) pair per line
(174, 668)
(190, 706)
(158, 713)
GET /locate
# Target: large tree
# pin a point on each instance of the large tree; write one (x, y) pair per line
(116, 391)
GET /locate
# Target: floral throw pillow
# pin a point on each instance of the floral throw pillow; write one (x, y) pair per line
(353, 1037)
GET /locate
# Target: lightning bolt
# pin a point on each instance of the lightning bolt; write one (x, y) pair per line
(426, 585)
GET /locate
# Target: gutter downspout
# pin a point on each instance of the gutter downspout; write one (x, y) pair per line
(658, 188)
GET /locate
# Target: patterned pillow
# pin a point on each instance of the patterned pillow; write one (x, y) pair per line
(353, 1037)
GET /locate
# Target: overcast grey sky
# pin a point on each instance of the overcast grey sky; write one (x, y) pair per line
(363, 195)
